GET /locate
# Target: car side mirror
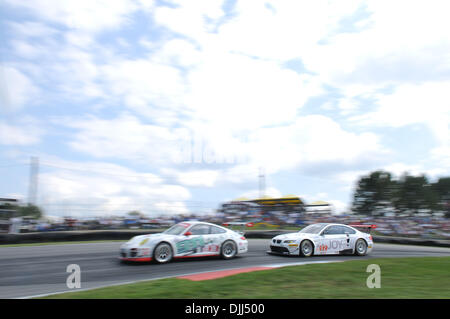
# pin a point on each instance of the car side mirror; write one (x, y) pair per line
(188, 233)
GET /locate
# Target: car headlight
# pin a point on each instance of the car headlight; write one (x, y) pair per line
(289, 241)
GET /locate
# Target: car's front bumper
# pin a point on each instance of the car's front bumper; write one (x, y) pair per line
(137, 259)
(283, 249)
(135, 254)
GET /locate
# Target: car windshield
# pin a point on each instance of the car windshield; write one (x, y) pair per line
(313, 229)
(177, 229)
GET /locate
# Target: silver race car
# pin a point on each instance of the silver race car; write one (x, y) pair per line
(183, 240)
(324, 239)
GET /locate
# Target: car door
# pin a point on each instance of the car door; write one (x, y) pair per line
(217, 236)
(351, 237)
(332, 240)
(196, 242)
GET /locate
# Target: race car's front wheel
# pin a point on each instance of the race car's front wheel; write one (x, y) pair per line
(306, 248)
(229, 249)
(163, 253)
(360, 247)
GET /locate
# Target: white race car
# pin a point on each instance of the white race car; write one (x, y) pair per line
(324, 239)
(183, 240)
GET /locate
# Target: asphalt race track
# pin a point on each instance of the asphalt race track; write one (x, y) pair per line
(37, 270)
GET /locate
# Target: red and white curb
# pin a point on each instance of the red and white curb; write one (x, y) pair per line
(230, 272)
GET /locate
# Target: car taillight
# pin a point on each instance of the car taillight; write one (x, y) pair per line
(370, 237)
(243, 238)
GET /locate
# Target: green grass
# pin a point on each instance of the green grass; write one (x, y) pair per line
(427, 277)
(63, 243)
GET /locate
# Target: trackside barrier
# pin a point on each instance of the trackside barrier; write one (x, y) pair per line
(58, 236)
(61, 236)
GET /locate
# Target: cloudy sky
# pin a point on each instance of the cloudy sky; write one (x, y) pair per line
(174, 106)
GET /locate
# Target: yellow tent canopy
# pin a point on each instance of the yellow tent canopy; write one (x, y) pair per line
(319, 203)
(240, 199)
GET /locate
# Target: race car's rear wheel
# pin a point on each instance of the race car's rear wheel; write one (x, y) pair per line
(163, 253)
(229, 249)
(360, 247)
(306, 248)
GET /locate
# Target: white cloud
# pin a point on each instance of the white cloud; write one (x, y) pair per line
(339, 206)
(393, 48)
(279, 34)
(312, 140)
(153, 90)
(31, 29)
(198, 178)
(99, 188)
(176, 52)
(246, 93)
(86, 15)
(427, 103)
(19, 134)
(16, 89)
(190, 18)
(124, 137)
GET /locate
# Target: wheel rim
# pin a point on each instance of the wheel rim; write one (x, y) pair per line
(306, 248)
(229, 250)
(163, 253)
(361, 247)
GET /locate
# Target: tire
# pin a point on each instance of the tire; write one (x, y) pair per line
(163, 253)
(228, 249)
(360, 247)
(306, 248)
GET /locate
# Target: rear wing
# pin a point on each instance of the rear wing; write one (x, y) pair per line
(365, 228)
(241, 225)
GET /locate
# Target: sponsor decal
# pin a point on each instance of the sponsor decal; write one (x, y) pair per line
(143, 242)
(211, 248)
(323, 248)
(190, 245)
(197, 245)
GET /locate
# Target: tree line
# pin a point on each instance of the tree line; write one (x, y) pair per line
(379, 192)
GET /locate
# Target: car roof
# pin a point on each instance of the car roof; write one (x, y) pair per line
(332, 224)
(196, 222)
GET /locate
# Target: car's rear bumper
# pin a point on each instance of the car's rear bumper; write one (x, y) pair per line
(243, 247)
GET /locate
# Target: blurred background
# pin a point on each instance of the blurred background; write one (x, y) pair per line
(141, 113)
(410, 206)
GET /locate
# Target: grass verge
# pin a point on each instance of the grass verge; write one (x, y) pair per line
(427, 277)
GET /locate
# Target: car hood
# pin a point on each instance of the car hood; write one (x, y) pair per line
(293, 236)
(137, 240)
